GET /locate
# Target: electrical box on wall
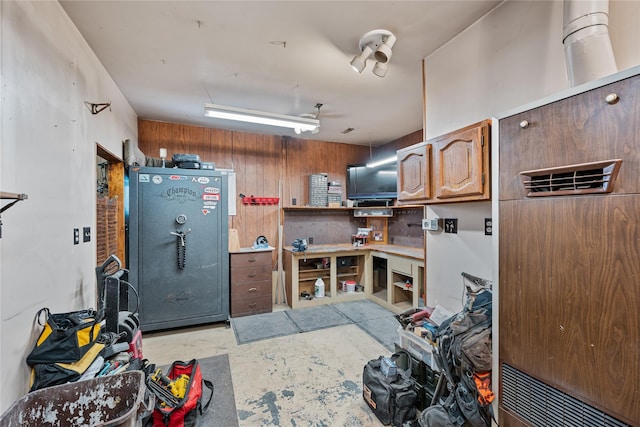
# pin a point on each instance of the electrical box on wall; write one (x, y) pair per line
(451, 225)
(432, 224)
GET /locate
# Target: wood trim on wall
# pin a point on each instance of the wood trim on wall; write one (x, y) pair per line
(265, 166)
(115, 180)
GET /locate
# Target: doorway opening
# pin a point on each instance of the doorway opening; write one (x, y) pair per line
(110, 224)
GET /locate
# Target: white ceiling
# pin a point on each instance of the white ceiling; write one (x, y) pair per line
(169, 58)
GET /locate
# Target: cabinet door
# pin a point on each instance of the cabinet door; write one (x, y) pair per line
(461, 164)
(414, 164)
(580, 129)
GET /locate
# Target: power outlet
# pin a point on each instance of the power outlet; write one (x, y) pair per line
(76, 236)
(488, 227)
(310, 240)
(86, 234)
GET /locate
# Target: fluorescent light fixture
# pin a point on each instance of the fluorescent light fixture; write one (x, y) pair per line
(260, 117)
(382, 162)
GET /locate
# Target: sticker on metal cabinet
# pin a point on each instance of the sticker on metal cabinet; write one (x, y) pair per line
(181, 194)
(177, 177)
(202, 180)
(205, 211)
(157, 179)
(211, 197)
(143, 177)
(211, 190)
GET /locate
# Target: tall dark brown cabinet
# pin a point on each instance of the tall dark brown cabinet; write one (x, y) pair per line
(569, 258)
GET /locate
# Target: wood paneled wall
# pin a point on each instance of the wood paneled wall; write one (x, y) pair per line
(265, 166)
(390, 148)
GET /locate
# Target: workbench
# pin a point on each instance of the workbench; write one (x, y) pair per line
(400, 287)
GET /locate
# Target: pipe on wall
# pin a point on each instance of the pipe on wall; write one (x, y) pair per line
(587, 46)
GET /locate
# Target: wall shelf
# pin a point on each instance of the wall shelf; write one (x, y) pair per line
(16, 197)
(372, 212)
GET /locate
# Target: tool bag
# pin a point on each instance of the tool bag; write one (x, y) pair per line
(392, 398)
(66, 347)
(464, 357)
(186, 411)
(66, 337)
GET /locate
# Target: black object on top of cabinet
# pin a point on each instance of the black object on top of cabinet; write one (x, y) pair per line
(178, 246)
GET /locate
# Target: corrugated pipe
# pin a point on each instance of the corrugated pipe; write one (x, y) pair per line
(587, 46)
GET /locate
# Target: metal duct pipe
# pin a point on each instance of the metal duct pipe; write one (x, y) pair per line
(587, 46)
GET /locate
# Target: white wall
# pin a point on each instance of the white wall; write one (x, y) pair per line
(47, 151)
(512, 56)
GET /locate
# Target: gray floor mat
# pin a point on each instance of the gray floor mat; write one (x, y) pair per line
(263, 326)
(374, 319)
(383, 329)
(222, 410)
(314, 318)
(360, 311)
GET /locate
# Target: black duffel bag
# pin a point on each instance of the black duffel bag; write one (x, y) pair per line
(391, 397)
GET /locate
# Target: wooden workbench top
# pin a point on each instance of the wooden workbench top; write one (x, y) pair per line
(407, 251)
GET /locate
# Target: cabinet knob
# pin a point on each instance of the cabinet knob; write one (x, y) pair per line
(612, 98)
(524, 124)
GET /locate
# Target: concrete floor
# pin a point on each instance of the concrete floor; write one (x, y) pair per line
(305, 379)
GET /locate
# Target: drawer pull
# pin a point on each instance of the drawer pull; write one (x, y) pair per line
(253, 305)
(253, 290)
(252, 260)
(252, 275)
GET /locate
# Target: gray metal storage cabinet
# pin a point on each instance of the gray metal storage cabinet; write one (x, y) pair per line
(178, 246)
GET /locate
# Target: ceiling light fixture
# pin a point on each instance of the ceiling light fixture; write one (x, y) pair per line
(382, 162)
(260, 117)
(376, 42)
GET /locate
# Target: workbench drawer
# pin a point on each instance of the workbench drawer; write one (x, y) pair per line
(254, 273)
(249, 306)
(251, 259)
(250, 283)
(401, 265)
(251, 289)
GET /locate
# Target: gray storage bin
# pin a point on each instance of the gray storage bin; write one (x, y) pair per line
(115, 400)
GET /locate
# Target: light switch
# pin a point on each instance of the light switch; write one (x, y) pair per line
(451, 225)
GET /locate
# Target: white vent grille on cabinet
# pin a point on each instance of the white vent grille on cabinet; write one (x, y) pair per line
(583, 178)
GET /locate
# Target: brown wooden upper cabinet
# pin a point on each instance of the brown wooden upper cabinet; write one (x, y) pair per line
(450, 168)
(414, 164)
